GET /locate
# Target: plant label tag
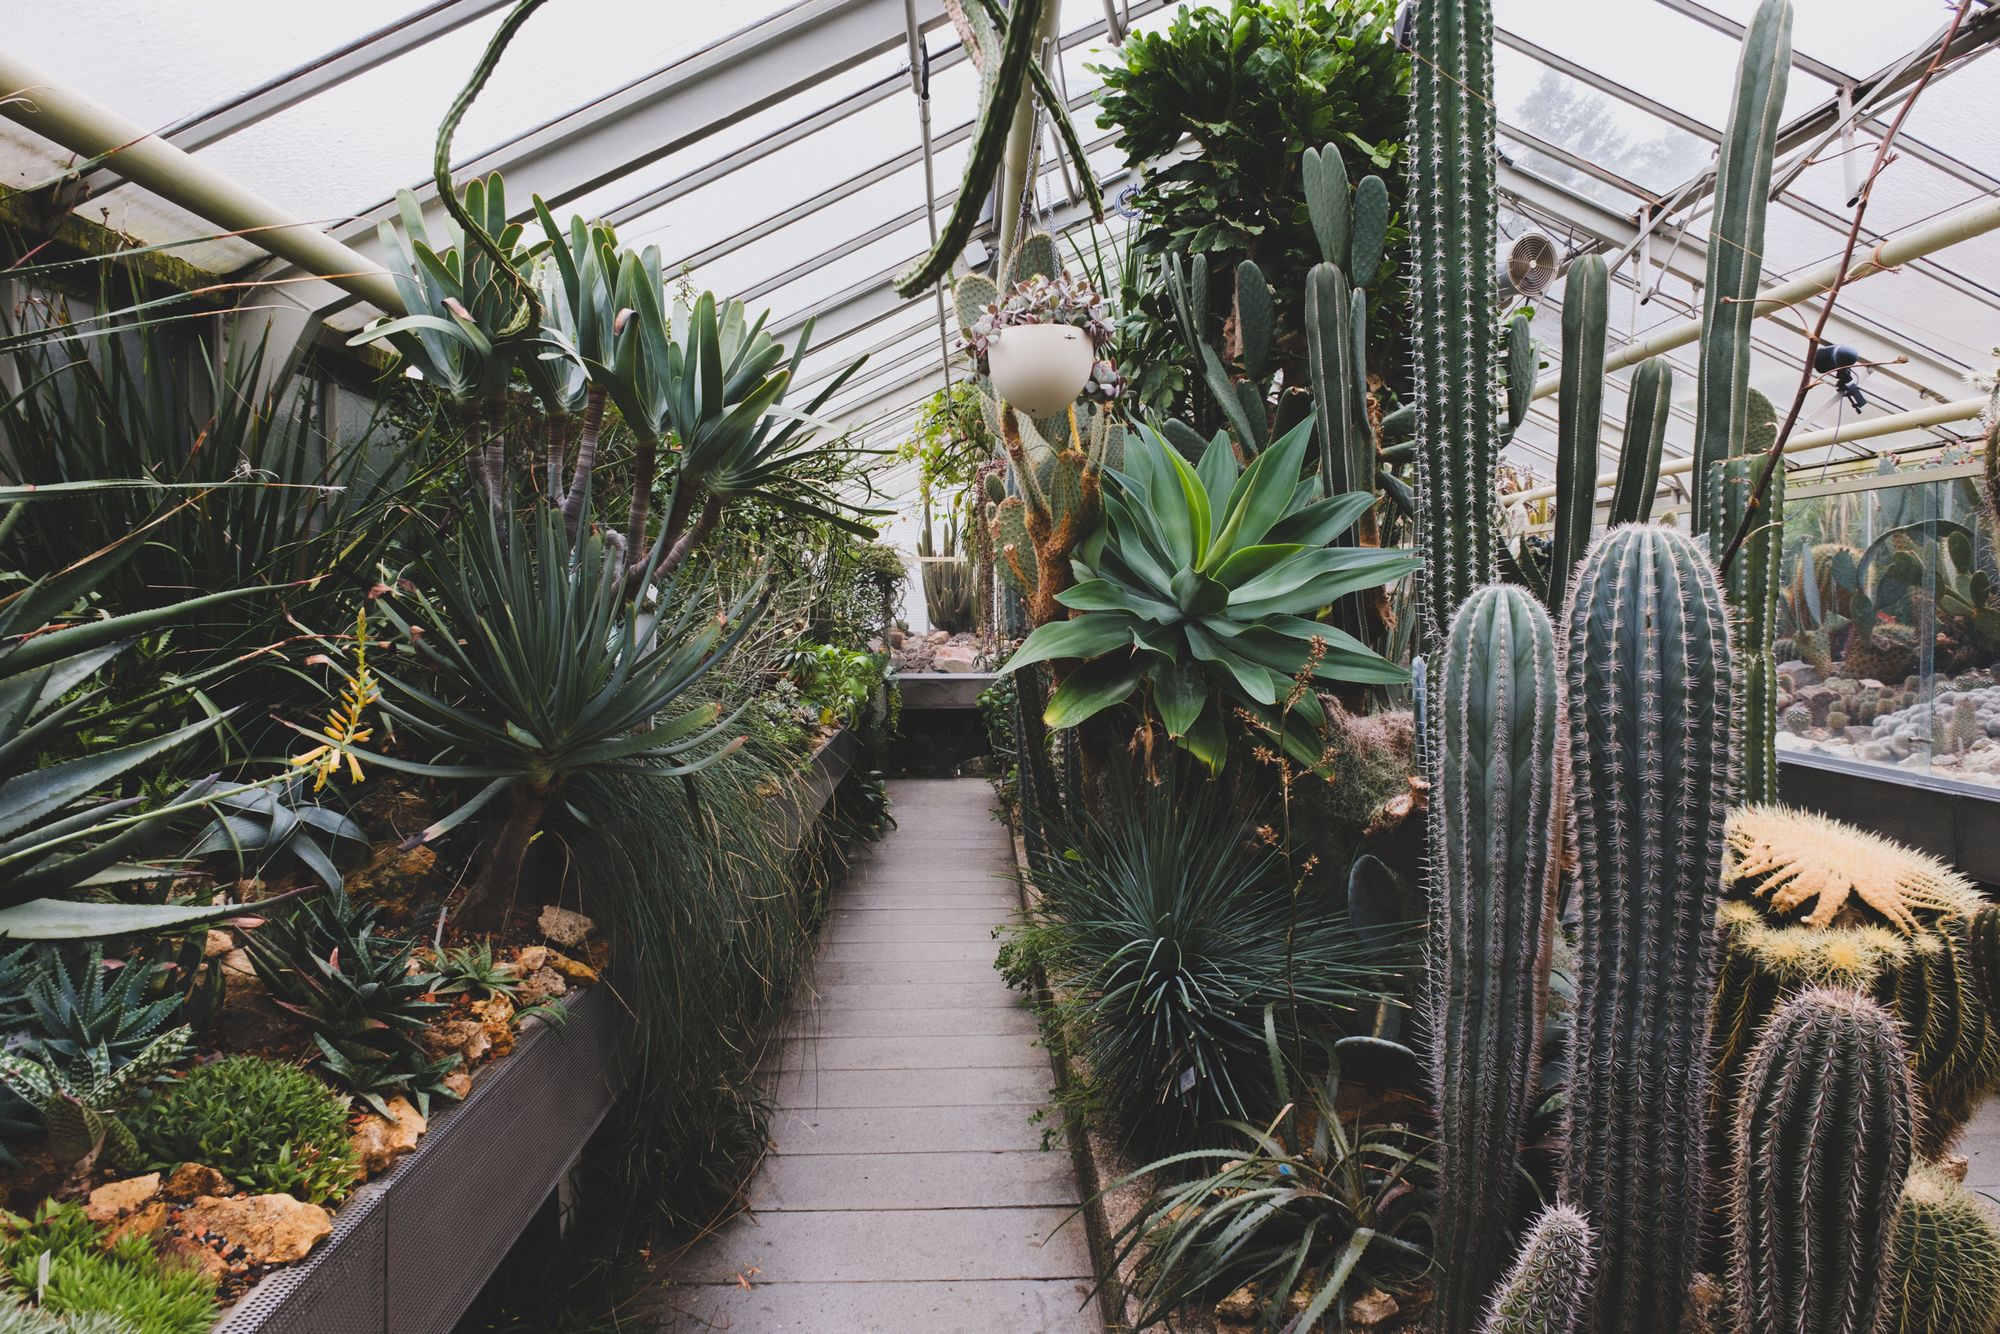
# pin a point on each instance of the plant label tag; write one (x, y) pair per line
(1187, 1079)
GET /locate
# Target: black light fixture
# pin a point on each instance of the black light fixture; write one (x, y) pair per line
(1839, 360)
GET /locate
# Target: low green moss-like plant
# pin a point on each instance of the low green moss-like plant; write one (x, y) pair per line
(31, 1320)
(126, 1281)
(265, 1125)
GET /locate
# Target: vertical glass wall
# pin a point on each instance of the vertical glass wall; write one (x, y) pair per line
(1889, 625)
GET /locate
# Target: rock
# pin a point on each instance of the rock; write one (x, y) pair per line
(1238, 1308)
(393, 875)
(955, 658)
(467, 1037)
(378, 1141)
(121, 1197)
(939, 636)
(1802, 673)
(1372, 1307)
(189, 1253)
(563, 927)
(1954, 1165)
(493, 1010)
(216, 944)
(532, 958)
(458, 1083)
(271, 1229)
(541, 985)
(1820, 700)
(192, 1180)
(573, 969)
(147, 1222)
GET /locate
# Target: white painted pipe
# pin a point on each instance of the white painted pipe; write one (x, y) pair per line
(1917, 242)
(34, 100)
(1867, 428)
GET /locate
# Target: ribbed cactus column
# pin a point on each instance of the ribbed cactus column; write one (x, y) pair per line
(1650, 691)
(1579, 419)
(1453, 334)
(1549, 1285)
(1736, 242)
(1821, 1149)
(1751, 586)
(1492, 898)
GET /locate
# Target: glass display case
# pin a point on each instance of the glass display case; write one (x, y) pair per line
(1889, 624)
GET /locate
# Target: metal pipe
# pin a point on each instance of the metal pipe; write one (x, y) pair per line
(55, 111)
(1977, 220)
(1938, 414)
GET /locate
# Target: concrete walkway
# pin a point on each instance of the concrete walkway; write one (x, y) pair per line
(907, 1189)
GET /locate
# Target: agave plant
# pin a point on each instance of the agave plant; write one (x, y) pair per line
(527, 666)
(1197, 593)
(260, 826)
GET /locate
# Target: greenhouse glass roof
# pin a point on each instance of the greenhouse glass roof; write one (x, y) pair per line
(774, 150)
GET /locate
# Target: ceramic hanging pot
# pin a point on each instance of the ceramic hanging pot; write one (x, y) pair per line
(1040, 368)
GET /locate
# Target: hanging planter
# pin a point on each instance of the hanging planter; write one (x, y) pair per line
(1040, 368)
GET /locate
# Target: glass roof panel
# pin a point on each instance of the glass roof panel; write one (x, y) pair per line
(1594, 126)
(1848, 34)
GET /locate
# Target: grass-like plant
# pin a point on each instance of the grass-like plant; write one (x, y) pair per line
(127, 1281)
(1307, 1205)
(1197, 594)
(266, 1125)
(524, 665)
(1174, 937)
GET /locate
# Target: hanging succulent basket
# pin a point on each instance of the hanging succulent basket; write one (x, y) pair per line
(1040, 368)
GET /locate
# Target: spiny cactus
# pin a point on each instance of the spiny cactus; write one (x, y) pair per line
(1751, 585)
(1954, 1045)
(1493, 869)
(1455, 344)
(1579, 418)
(1736, 245)
(1982, 952)
(1822, 1147)
(1947, 1267)
(1647, 406)
(1549, 1285)
(1650, 696)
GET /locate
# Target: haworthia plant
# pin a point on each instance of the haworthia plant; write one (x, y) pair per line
(1550, 1283)
(1736, 243)
(1751, 587)
(1821, 1150)
(1493, 870)
(1579, 418)
(1647, 406)
(1650, 697)
(1453, 338)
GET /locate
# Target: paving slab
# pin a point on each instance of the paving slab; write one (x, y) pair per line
(912, 1183)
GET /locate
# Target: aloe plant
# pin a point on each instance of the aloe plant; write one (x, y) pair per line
(1197, 594)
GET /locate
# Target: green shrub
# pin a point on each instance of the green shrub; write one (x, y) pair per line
(265, 1125)
(128, 1281)
(1169, 930)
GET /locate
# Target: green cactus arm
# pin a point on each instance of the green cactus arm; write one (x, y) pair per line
(1344, 453)
(1736, 241)
(1371, 230)
(1521, 357)
(1579, 419)
(1328, 202)
(1647, 407)
(1255, 317)
(1549, 1286)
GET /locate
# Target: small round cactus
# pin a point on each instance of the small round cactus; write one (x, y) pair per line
(1836, 721)
(1798, 720)
(1947, 1265)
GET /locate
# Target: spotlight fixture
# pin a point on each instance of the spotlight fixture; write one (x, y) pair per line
(1839, 360)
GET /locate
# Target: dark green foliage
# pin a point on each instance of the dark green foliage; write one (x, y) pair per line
(1650, 685)
(261, 828)
(1947, 1262)
(267, 1126)
(35, 1320)
(79, 1005)
(324, 962)
(471, 970)
(1173, 937)
(1493, 867)
(1310, 1204)
(127, 1281)
(1549, 1286)
(1255, 84)
(1821, 1151)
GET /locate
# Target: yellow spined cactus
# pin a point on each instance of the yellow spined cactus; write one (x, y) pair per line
(1798, 859)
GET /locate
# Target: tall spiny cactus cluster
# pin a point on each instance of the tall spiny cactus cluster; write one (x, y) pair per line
(1455, 344)
(1947, 1259)
(1821, 1151)
(1650, 685)
(1549, 1286)
(1579, 418)
(1751, 585)
(1493, 870)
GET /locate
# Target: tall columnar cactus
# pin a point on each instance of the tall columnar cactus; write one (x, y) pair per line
(1452, 331)
(1752, 589)
(1947, 1268)
(1493, 869)
(1646, 412)
(1549, 1285)
(1982, 951)
(1736, 243)
(1650, 695)
(1579, 418)
(1821, 1150)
